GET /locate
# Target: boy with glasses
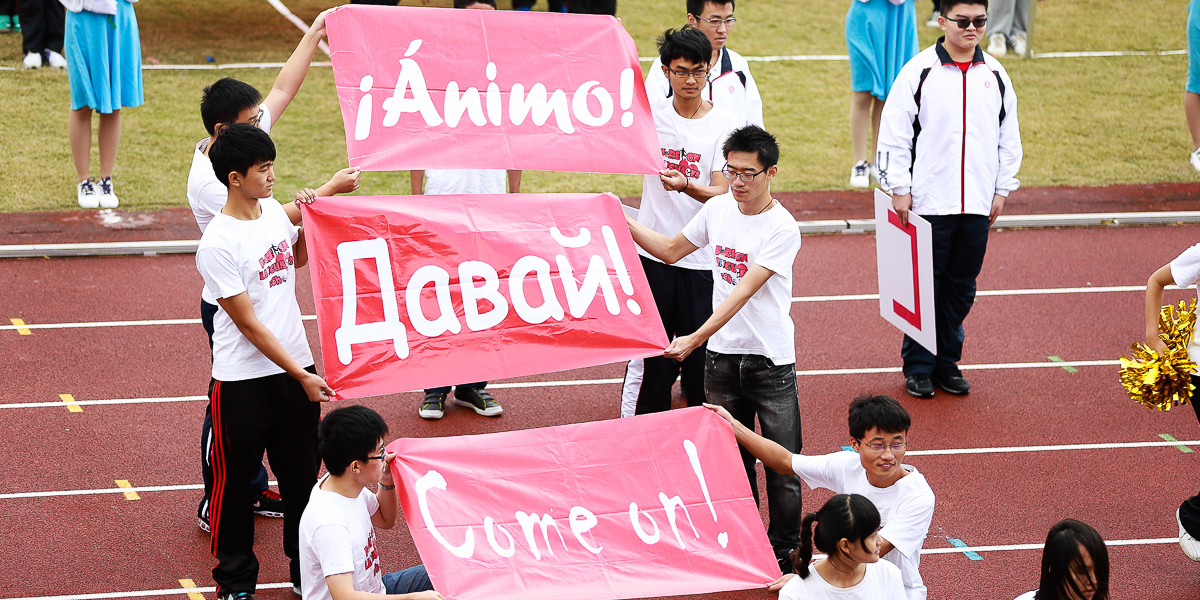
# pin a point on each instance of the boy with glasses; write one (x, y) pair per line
(750, 359)
(949, 150)
(690, 131)
(879, 436)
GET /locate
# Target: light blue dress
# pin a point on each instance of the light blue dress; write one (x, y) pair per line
(104, 59)
(880, 37)
(1193, 41)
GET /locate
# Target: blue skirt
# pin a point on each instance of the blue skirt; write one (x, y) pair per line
(880, 37)
(1193, 38)
(104, 59)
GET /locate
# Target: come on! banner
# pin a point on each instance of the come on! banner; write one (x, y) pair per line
(429, 88)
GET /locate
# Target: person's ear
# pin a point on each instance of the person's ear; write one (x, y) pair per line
(772, 172)
(217, 129)
(235, 179)
(844, 545)
(854, 443)
(692, 21)
(665, 73)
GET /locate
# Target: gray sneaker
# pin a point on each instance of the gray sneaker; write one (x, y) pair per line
(1190, 545)
(479, 400)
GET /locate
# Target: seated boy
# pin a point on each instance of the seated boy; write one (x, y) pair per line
(337, 532)
(879, 434)
(264, 392)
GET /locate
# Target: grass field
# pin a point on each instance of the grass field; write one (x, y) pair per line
(1084, 121)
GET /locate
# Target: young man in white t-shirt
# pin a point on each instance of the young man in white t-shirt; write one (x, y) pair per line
(750, 361)
(691, 131)
(224, 102)
(339, 555)
(265, 392)
(879, 435)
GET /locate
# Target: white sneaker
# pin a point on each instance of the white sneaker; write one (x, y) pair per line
(88, 198)
(107, 198)
(1191, 547)
(933, 17)
(860, 175)
(874, 174)
(1020, 44)
(57, 61)
(997, 45)
(1196, 159)
(33, 60)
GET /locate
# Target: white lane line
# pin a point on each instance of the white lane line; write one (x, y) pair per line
(116, 490)
(1142, 542)
(843, 57)
(297, 21)
(98, 402)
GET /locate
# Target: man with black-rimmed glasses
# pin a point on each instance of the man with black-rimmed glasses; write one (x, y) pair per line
(750, 359)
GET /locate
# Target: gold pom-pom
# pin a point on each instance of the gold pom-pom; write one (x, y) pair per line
(1162, 382)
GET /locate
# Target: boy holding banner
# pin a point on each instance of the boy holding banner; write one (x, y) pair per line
(750, 359)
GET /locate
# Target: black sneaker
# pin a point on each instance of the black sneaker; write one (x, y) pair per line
(480, 400)
(919, 385)
(434, 406)
(269, 504)
(785, 563)
(236, 596)
(952, 383)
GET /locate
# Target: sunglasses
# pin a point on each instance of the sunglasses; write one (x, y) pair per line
(978, 22)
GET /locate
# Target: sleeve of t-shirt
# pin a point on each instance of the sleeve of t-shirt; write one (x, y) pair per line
(696, 231)
(219, 270)
(331, 544)
(891, 582)
(372, 503)
(823, 471)
(264, 121)
(656, 83)
(210, 199)
(909, 522)
(1185, 269)
(718, 151)
(778, 253)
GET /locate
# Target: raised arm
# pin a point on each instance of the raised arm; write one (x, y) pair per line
(389, 502)
(754, 279)
(291, 76)
(668, 250)
(771, 454)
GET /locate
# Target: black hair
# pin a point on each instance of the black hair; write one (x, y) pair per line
(881, 412)
(239, 147)
(696, 7)
(753, 138)
(687, 43)
(845, 516)
(945, 5)
(348, 434)
(1061, 558)
(224, 100)
(466, 3)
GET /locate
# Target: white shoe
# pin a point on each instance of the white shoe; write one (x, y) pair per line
(933, 18)
(107, 198)
(873, 172)
(1191, 547)
(57, 61)
(33, 60)
(1020, 44)
(860, 175)
(88, 198)
(997, 45)
(1196, 159)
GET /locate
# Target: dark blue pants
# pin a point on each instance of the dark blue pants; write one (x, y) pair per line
(462, 386)
(684, 300)
(959, 243)
(408, 581)
(748, 385)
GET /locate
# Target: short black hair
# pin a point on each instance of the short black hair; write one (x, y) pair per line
(466, 3)
(1061, 559)
(687, 43)
(239, 147)
(348, 434)
(224, 100)
(696, 7)
(881, 412)
(945, 5)
(752, 138)
(845, 516)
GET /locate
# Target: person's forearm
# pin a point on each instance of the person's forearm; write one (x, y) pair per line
(1154, 300)
(657, 244)
(269, 345)
(770, 453)
(723, 313)
(885, 546)
(292, 75)
(416, 181)
(514, 182)
(292, 209)
(301, 250)
(702, 193)
(389, 506)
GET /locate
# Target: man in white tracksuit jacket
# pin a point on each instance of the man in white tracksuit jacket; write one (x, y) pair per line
(949, 150)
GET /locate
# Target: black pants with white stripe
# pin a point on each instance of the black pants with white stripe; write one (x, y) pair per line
(271, 413)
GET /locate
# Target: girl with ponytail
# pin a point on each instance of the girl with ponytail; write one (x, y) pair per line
(846, 530)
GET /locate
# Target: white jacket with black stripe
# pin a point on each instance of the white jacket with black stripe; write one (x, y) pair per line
(951, 138)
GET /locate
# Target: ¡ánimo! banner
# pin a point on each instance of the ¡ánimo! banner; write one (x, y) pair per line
(415, 292)
(430, 88)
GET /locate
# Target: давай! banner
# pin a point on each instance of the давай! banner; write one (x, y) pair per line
(415, 292)
(431, 88)
(654, 505)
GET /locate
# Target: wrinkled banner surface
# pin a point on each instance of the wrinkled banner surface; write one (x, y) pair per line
(430, 88)
(415, 292)
(654, 505)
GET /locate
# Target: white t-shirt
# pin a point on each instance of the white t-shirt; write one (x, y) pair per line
(256, 257)
(725, 87)
(1185, 270)
(205, 193)
(905, 507)
(466, 181)
(336, 536)
(771, 240)
(1027, 595)
(692, 147)
(881, 582)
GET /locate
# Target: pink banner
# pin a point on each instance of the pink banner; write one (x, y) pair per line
(421, 291)
(585, 512)
(431, 88)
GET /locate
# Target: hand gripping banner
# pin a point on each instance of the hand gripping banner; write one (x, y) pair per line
(654, 505)
(431, 88)
(421, 291)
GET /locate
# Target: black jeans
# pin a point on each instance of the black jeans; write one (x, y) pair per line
(1189, 511)
(43, 24)
(684, 300)
(959, 243)
(748, 385)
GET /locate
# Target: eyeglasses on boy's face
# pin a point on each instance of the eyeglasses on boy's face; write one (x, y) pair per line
(717, 22)
(894, 447)
(382, 455)
(747, 177)
(978, 22)
(700, 75)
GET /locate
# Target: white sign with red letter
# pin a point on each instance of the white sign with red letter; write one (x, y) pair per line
(905, 258)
